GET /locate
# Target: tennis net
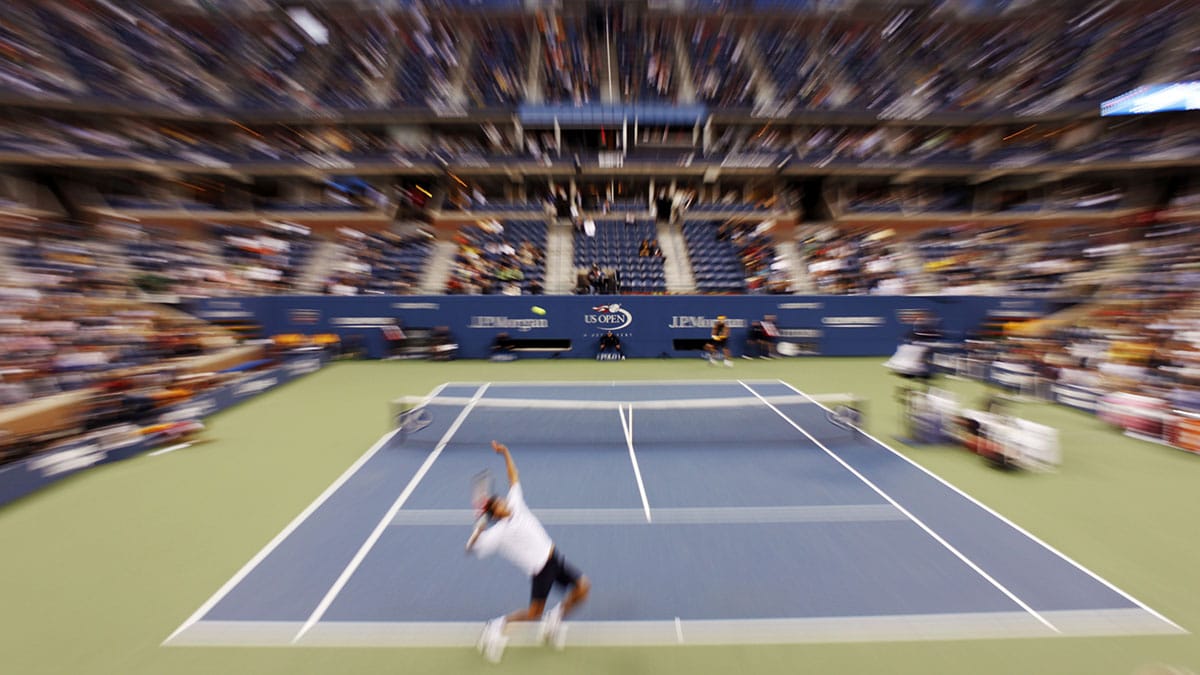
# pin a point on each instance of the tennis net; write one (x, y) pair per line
(697, 421)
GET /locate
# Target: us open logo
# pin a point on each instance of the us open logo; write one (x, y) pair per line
(610, 317)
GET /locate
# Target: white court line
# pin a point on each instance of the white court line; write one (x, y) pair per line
(630, 383)
(171, 448)
(919, 523)
(287, 531)
(637, 472)
(702, 515)
(283, 534)
(1005, 520)
(663, 632)
(387, 518)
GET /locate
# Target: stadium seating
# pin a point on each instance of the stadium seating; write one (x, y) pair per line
(380, 263)
(498, 69)
(719, 63)
(615, 246)
(906, 60)
(496, 258)
(272, 260)
(714, 258)
(571, 67)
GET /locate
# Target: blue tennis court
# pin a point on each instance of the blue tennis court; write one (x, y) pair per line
(703, 512)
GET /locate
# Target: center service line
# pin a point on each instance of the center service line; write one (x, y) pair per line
(928, 530)
(387, 518)
(637, 472)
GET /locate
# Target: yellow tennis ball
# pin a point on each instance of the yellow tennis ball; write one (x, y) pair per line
(538, 310)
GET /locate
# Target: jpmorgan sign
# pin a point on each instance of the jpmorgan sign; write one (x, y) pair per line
(679, 321)
(609, 317)
(510, 323)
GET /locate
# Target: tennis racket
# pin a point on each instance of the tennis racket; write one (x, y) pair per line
(411, 421)
(845, 417)
(481, 489)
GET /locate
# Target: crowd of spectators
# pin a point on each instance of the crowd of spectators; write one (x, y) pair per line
(765, 271)
(497, 258)
(63, 136)
(910, 199)
(269, 259)
(498, 71)
(909, 61)
(646, 60)
(122, 359)
(857, 262)
(1133, 361)
(573, 63)
(720, 63)
(378, 262)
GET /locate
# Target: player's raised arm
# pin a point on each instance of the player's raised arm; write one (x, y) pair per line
(502, 449)
(480, 524)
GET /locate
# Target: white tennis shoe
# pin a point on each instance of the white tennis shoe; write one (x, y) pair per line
(492, 640)
(552, 630)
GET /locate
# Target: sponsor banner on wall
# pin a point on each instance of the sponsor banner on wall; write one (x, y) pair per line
(649, 326)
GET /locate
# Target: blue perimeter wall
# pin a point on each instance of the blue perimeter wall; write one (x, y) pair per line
(28, 475)
(647, 325)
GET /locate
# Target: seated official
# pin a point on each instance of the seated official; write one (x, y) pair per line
(762, 338)
(610, 348)
(442, 346)
(502, 347)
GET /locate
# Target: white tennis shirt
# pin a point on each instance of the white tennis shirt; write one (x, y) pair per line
(519, 538)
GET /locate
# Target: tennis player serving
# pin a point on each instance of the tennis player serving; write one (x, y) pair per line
(518, 536)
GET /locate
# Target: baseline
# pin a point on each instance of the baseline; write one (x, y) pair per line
(816, 630)
(917, 521)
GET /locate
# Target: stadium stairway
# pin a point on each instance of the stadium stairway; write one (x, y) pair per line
(913, 267)
(609, 79)
(684, 72)
(560, 254)
(533, 83)
(788, 254)
(437, 270)
(677, 264)
(324, 256)
(457, 93)
(765, 88)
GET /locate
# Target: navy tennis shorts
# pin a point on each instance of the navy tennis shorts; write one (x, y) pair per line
(556, 571)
